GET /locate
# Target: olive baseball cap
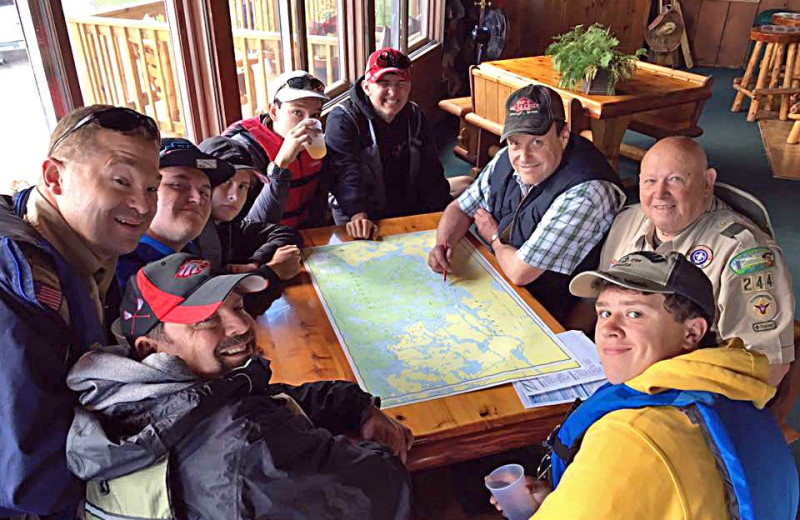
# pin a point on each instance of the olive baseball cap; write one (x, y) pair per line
(650, 272)
(532, 110)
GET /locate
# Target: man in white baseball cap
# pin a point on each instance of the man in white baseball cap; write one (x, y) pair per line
(277, 142)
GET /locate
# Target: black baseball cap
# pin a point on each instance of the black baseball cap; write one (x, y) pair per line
(229, 150)
(532, 110)
(182, 152)
(650, 272)
(179, 288)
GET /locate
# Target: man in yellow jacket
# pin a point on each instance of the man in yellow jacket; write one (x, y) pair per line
(680, 431)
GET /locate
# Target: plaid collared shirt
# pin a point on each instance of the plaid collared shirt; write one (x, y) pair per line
(574, 224)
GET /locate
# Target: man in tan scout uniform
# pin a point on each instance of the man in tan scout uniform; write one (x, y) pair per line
(682, 210)
(59, 244)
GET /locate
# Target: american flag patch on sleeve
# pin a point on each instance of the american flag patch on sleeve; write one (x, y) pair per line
(49, 296)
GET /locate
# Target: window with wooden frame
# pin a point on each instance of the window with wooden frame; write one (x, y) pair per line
(197, 66)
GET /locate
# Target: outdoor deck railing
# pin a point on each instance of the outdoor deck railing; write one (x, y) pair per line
(130, 62)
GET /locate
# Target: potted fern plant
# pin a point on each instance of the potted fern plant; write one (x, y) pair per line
(588, 59)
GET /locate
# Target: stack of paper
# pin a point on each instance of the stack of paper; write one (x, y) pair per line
(568, 385)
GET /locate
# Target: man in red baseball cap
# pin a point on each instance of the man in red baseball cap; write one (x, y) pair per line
(381, 150)
(183, 417)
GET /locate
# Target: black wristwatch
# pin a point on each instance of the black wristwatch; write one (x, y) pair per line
(276, 172)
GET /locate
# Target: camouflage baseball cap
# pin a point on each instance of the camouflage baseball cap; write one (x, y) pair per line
(650, 272)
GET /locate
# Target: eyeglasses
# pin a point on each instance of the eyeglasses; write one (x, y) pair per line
(120, 119)
(306, 82)
(393, 59)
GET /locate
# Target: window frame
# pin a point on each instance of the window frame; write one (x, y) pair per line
(204, 53)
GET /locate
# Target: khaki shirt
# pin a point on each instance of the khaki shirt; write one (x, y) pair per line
(95, 272)
(752, 283)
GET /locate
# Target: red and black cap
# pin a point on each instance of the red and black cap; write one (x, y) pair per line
(182, 152)
(385, 61)
(532, 110)
(179, 288)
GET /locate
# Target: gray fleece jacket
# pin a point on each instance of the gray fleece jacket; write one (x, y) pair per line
(239, 447)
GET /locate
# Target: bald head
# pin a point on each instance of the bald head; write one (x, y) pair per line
(683, 149)
(675, 185)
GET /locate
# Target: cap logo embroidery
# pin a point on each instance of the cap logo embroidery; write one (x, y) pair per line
(130, 316)
(524, 106)
(206, 164)
(191, 268)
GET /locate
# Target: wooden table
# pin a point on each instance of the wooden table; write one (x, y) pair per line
(296, 335)
(657, 101)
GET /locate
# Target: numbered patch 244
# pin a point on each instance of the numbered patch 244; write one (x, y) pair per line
(757, 282)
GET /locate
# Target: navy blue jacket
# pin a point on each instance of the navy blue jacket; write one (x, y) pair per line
(37, 349)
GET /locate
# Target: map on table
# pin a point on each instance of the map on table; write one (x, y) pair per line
(410, 336)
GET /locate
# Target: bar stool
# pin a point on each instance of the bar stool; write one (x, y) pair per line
(794, 134)
(791, 19)
(780, 43)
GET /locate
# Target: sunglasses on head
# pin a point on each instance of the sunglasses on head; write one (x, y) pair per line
(307, 82)
(393, 59)
(116, 118)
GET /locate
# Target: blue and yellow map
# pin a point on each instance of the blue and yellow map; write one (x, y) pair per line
(410, 336)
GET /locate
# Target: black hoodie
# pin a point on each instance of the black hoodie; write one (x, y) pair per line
(428, 192)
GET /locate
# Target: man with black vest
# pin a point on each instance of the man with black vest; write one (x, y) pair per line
(544, 203)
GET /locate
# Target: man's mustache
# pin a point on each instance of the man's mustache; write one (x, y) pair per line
(241, 339)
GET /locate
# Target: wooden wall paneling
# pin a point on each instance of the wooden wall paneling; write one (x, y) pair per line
(691, 13)
(772, 4)
(793, 5)
(427, 83)
(736, 36)
(708, 31)
(533, 23)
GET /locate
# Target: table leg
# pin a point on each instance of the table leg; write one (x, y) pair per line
(607, 136)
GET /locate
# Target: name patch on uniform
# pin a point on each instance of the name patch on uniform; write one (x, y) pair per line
(757, 282)
(763, 306)
(49, 296)
(701, 256)
(763, 326)
(752, 261)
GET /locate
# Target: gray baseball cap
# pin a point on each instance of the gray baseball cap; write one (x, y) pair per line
(650, 272)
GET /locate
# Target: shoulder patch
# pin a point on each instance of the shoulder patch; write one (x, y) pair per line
(752, 260)
(48, 295)
(701, 256)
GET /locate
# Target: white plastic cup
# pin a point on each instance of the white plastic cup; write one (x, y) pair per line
(316, 148)
(507, 484)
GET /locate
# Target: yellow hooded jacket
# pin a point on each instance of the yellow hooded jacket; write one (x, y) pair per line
(653, 463)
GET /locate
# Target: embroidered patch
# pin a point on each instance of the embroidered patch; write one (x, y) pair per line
(757, 282)
(701, 256)
(752, 260)
(524, 106)
(763, 306)
(206, 164)
(49, 296)
(191, 268)
(763, 326)
(130, 316)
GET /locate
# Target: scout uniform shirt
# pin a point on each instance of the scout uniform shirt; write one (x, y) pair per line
(96, 273)
(752, 283)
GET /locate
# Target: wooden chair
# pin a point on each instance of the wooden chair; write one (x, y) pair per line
(780, 44)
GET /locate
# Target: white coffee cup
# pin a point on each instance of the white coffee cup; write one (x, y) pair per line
(316, 148)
